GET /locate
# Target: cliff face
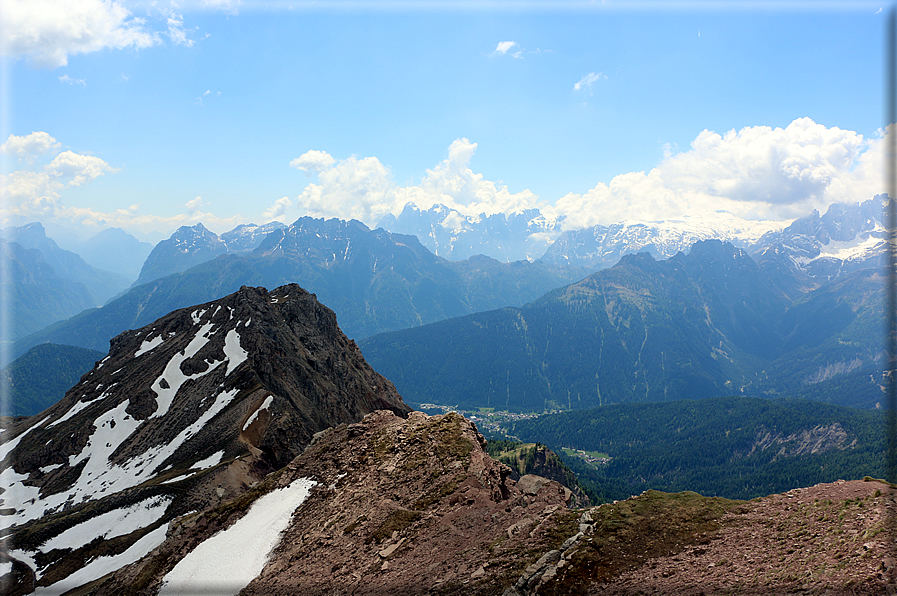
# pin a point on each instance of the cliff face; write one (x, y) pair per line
(186, 412)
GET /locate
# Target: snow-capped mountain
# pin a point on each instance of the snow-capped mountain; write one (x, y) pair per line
(600, 247)
(246, 237)
(847, 238)
(452, 235)
(188, 246)
(192, 245)
(187, 411)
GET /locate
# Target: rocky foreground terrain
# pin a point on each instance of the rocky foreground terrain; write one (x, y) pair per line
(415, 506)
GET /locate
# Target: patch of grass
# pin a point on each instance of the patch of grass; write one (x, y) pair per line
(628, 533)
(449, 444)
(440, 492)
(396, 521)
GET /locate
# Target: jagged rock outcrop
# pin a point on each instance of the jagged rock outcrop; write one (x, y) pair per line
(185, 412)
(398, 507)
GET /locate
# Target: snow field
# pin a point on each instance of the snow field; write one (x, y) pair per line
(229, 560)
(100, 566)
(117, 522)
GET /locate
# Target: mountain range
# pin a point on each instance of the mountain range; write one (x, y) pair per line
(47, 283)
(521, 235)
(375, 281)
(708, 323)
(189, 246)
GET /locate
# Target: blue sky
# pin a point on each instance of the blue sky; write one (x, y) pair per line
(148, 116)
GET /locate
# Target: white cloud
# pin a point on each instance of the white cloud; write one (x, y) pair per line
(194, 205)
(228, 6)
(71, 81)
(352, 189)
(29, 146)
(363, 188)
(504, 47)
(313, 161)
(588, 80)
(76, 169)
(278, 210)
(35, 191)
(757, 172)
(176, 32)
(47, 32)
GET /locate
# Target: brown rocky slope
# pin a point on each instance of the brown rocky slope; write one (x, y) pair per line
(415, 506)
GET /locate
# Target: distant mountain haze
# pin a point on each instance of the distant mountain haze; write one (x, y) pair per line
(708, 323)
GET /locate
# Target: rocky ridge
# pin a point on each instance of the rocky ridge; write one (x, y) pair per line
(415, 506)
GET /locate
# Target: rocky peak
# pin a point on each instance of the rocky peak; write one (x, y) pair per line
(190, 409)
(188, 246)
(247, 237)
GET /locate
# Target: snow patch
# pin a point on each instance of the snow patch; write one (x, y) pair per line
(235, 354)
(100, 566)
(264, 406)
(79, 405)
(10, 445)
(212, 460)
(149, 344)
(229, 560)
(117, 522)
(99, 476)
(196, 315)
(173, 375)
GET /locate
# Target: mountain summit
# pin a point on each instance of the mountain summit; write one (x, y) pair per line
(193, 408)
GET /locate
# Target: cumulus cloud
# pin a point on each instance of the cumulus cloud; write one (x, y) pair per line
(313, 161)
(587, 81)
(29, 146)
(758, 172)
(278, 210)
(363, 188)
(34, 191)
(47, 32)
(194, 205)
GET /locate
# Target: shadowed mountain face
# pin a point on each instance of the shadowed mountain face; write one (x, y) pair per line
(183, 412)
(37, 295)
(709, 323)
(374, 280)
(101, 285)
(42, 376)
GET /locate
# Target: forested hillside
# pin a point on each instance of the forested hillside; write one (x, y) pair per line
(735, 447)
